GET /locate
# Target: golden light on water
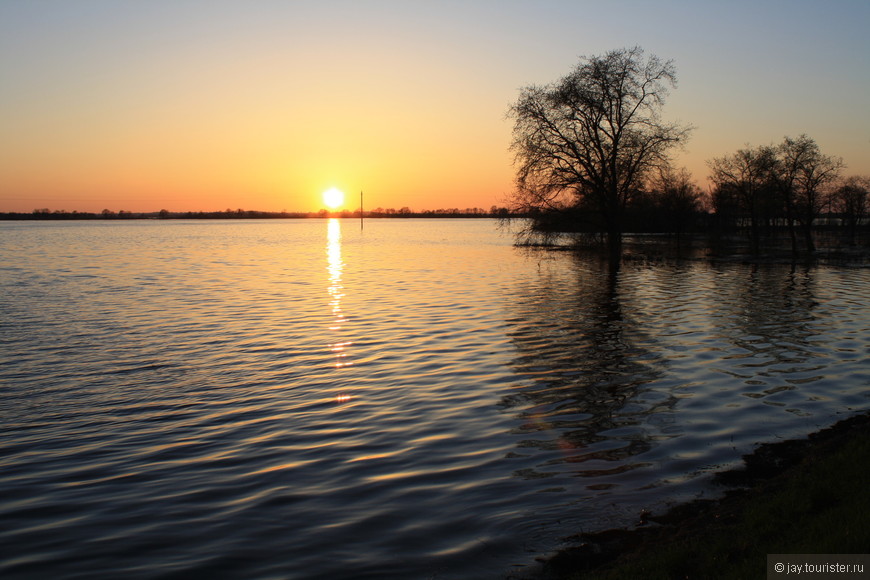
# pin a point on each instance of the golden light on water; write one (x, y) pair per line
(335, 267)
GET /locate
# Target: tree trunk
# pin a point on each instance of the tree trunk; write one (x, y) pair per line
(755, 236)
(614, 242)
(808, 238)
(789, 216)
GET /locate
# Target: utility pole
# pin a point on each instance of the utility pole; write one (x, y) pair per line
(360, 210)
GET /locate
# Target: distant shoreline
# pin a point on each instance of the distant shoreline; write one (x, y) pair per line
(61, 215)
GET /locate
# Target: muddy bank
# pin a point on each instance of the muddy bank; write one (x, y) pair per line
(807, 483)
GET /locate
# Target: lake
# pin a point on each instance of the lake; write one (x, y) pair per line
(307, 399)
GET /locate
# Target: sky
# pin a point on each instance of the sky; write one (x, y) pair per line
(195, 105)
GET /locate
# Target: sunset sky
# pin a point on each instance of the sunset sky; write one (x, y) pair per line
(258, 104)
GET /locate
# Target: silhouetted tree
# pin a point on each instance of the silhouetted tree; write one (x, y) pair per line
(747, 182)
(593, 136)
(775, 186)
(851, 201)
(678, 199)
(807, 175)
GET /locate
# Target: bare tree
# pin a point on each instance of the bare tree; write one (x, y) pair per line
(678, 197)
(851, 200)
(807, 176)
(749, 177)
(593, 136)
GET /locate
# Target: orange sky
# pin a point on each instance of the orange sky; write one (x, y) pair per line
(264, 105)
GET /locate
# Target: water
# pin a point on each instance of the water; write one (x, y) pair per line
(419, 399)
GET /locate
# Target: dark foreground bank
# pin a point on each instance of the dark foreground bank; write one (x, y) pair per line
(808, 496)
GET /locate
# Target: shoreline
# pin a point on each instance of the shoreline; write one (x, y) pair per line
(781, 474)
(700, 248)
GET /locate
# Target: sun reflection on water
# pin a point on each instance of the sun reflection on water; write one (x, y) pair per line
(335, 268)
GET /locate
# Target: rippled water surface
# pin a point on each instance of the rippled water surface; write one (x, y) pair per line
(419, 399)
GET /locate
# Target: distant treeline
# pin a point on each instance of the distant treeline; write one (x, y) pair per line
(788, 196)
(405, 212)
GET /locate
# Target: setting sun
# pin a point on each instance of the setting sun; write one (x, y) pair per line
(333, 198)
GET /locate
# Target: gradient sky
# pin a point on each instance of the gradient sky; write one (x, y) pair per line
(257, 104)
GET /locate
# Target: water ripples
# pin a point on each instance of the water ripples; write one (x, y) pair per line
(300, 399)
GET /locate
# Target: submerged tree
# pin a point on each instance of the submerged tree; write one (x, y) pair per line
(678, 197)
(747, 182)
(592, 138)
(774, 186)
(851, 200)
(807, 176)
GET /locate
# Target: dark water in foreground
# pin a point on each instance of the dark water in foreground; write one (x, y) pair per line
(299, 399)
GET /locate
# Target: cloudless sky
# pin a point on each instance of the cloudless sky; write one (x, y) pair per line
(265, 104)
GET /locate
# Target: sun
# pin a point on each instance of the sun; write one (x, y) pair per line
(333, 198)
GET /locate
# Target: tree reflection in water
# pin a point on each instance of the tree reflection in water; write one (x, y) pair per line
(584, 360)
(772, 329)
(605, 351)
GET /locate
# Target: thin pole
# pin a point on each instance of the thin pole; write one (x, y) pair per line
(360, 210)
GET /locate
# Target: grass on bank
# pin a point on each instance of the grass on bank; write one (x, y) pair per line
(820, 505)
